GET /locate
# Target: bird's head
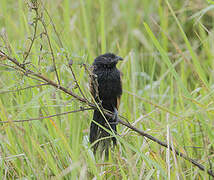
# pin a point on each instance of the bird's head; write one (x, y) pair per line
(107, 60)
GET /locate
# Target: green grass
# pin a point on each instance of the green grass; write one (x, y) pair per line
(167, 81)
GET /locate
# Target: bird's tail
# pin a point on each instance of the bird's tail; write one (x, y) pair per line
(97, 132)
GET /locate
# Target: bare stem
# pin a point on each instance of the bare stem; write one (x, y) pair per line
(29, 87)
(34, 35)
(46, 117)
(51, 49)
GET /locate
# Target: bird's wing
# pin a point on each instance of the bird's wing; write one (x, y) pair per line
(119, 97)
(118, 102)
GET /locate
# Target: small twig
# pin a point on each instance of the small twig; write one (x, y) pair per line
(12, 67)
(54, 27)
(45, 117)
(51, 49)
(29, 87)
(34, 35)
(20, 70)
(75, 80)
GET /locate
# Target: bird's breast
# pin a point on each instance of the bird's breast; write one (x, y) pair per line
(109, 84)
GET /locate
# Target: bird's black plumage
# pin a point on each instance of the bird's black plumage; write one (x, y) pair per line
(105, 87)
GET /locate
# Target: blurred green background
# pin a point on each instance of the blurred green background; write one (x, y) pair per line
(167, 80)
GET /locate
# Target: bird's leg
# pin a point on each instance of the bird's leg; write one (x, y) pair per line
(115, 116)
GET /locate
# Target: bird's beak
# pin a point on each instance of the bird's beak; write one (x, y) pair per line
(118, 58)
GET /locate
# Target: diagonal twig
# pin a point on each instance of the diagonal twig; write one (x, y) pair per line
(75, 80)
(46, 117)
(34, 34)
(51, 49)
(21, 89)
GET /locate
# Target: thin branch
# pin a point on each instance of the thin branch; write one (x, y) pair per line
(29, 87)
(46, 117)
(75, 80)
(51, 49)
(54, 27)
(20, 70)
(12, 67)
(34, 34)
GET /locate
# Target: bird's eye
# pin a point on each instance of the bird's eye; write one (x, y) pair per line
(113, 56)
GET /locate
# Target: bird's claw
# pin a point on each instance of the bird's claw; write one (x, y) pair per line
(115, 117)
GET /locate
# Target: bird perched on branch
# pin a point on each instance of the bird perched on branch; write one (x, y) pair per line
(106, 88)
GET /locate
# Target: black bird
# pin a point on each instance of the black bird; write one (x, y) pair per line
(106, 88)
